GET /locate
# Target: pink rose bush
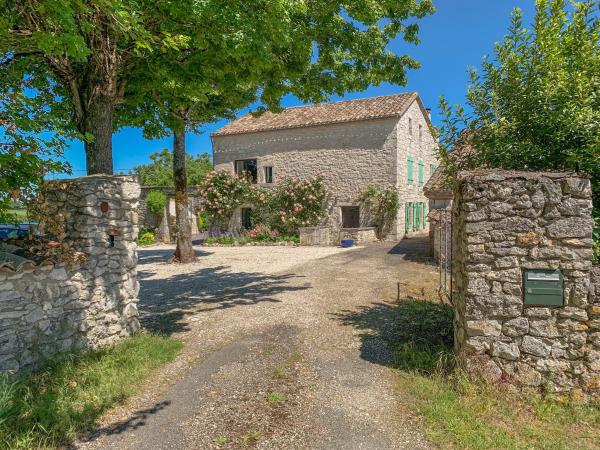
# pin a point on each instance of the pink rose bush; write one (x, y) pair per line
(298, 203)
(293, 203)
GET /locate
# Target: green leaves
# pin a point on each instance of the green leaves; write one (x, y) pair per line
(536, 103)
(160, 171)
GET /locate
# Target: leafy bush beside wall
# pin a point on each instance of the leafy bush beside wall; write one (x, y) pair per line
(383, 205)
(156, 202)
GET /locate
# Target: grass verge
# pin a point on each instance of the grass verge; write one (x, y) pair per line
(48, 408)
(459, 411)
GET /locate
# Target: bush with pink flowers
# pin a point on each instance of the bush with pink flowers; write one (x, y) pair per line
(298, 203)
(224, 192)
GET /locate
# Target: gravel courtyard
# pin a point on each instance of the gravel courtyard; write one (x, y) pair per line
(282, 350)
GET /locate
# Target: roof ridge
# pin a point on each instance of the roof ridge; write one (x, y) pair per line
(340, 111)
(348, 100)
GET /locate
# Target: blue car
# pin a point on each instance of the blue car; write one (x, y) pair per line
(15, 231)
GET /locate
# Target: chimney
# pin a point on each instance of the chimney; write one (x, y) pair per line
(428, 112)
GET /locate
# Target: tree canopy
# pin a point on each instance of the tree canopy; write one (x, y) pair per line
(86, 53)
(79, 55)
(536, 103)
(160, 171)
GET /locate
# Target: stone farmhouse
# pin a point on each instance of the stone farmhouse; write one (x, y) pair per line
(383, 141)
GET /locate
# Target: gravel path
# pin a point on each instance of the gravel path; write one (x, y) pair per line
(283, 350)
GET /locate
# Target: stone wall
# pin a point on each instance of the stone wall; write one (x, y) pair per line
(315, 236)
(48, 308)
(504, 223)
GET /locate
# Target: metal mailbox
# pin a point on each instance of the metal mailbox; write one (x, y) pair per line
(543, 287)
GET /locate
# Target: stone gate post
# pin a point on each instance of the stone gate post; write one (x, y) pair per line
(522, 246)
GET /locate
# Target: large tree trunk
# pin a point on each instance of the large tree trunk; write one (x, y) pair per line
(184, 252)
(98, 122)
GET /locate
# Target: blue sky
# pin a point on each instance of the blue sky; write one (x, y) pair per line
(457, 36)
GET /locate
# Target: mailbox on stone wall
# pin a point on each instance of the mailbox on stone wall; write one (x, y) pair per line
(543, 287)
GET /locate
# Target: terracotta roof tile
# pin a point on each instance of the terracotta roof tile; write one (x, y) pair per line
(322, 114)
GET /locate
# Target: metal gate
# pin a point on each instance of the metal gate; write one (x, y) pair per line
(444, 242)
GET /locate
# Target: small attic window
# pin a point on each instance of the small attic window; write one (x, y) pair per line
(420, 132)
(410, 126)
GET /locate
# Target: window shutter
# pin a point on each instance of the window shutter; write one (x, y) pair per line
(424, 214)
(421, 174)
(415, 216)
(406, 217)
(409, 168)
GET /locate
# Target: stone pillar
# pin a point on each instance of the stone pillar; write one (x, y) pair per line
(101, 220)
(504, 223)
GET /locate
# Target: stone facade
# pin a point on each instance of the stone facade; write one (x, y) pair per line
(48, 308)
(351, 156)
(505, 223)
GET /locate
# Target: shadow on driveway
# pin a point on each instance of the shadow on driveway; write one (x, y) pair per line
(158, 255)
(165, 303)
(408, 334)
(415, 249)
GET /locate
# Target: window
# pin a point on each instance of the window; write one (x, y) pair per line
(407, 216)
(420, 133)
(409, 170)
(421, 175)
(247, 167)
(410, 126)
(268, 174)
(350, 217)
(247, 218)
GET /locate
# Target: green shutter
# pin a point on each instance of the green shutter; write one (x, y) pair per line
(421, 176)
(406, 217)
(424, 214)
(415, 216)
(409, 170)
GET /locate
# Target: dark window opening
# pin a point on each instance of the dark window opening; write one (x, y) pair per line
(247, 167)
(350, 217)
(247, 218)
(268, 174)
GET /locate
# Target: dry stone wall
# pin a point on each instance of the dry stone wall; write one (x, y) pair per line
(48, 308)
(505, 223)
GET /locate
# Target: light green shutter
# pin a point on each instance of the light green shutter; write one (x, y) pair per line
(421, 175)
(409, 170)
(407, 217)
(415, 216)
(424, 214)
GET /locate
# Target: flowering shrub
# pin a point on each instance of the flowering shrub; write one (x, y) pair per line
(298, 203)
(223, 192)
(383, 205)
(263, 233)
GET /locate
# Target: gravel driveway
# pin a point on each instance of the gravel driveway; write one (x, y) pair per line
(281, 350)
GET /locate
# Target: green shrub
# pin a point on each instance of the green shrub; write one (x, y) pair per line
(48, 408)
(146, 238)
(383, 205)
(156, 202)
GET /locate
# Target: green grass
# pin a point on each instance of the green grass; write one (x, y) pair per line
(462, 413)
(275, 397)
(48, 408)
(458, 410)
(19, 214)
